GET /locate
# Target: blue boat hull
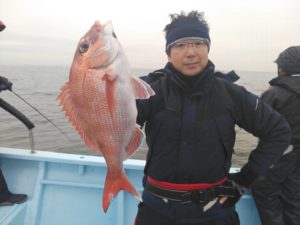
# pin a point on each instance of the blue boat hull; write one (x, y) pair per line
(66, 189)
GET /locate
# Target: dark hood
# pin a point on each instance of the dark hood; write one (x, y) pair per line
(290, 83)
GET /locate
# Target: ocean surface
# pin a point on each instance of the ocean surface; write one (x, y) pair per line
(40, 85)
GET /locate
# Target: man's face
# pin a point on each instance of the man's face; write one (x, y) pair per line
(189, 57)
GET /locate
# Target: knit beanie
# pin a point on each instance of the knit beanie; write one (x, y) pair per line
(289, 60)
(187, 28)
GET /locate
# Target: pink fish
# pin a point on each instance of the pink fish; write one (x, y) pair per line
(99, 101)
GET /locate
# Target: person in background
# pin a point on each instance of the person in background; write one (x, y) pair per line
(6, 197)
(190, 132)
(2, 26)
(277, 194)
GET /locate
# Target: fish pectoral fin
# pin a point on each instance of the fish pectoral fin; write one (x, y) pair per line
(135, 142)
(109, 76)
(141, 88)
(110, 87)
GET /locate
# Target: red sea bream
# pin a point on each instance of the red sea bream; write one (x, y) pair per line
(99, 101)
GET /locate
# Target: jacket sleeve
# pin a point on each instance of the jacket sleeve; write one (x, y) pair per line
(269, 126)
(143, 108)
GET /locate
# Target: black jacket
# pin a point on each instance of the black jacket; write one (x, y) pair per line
(190, 131)
(284, 96)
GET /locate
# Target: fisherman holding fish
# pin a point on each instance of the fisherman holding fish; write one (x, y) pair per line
(190, 132)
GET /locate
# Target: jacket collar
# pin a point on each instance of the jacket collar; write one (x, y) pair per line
(290, 82)
(202, 84)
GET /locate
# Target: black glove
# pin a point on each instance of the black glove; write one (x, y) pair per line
(239, 190)
(5, 84)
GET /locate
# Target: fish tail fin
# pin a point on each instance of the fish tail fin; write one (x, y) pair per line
(113, 185)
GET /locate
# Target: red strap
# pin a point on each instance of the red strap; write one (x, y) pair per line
(135, 220)
(184, 187)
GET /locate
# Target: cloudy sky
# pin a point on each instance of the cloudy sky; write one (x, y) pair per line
(246, 35)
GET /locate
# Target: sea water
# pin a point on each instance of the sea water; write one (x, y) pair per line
(40, 85)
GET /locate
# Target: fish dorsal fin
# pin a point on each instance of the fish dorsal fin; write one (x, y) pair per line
(67, 106)
(135, 142)
(141, 88)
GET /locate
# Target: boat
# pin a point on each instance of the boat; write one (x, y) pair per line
(65, 189)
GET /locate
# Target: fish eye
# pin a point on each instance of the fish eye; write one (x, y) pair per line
(84, 46)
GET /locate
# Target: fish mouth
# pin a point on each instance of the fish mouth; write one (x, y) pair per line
(111, 46)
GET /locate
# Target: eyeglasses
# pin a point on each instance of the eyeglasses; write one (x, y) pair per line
(183, 45)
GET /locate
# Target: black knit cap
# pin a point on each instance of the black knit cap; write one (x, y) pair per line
(289, 60)
(186, 28)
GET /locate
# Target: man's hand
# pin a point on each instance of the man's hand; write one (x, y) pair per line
(228, 201)
(5, 84)
(238, 193)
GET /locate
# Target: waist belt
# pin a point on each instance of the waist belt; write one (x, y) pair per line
(195, 196)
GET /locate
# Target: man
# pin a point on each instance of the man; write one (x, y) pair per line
(277, 194)
(6, 197)
(189, 126)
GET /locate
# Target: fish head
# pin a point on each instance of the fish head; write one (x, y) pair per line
(98, 48)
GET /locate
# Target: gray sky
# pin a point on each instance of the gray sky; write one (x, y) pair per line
(246, 35)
